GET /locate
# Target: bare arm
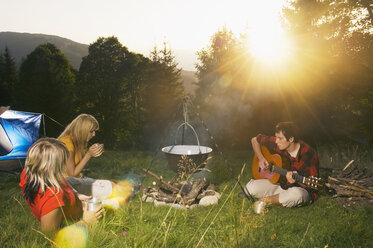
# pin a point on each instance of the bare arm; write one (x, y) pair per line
(51, 221)
(73, 170)
(89, 217)
(263, 163)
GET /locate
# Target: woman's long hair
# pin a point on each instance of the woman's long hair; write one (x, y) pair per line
(78, 131)
(45, 166)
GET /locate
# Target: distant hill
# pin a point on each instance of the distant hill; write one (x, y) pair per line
(21, 44)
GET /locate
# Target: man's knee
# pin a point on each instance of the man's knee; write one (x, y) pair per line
(294, 197)
(252, 188)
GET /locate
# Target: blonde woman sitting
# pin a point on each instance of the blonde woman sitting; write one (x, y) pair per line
(76, 137)
(50, 197)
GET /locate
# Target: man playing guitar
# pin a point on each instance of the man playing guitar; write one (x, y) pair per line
(303, 160)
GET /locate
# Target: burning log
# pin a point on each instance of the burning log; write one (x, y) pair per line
(353, 186)
(162, 196)
(194, 192)
(169, 186)
(210, 190)
(183, 193)
(190, 188)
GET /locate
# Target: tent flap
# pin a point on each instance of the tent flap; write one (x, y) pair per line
(21, 130)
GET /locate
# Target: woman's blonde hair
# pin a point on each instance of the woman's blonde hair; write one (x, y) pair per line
(45, 166)
(78, 131)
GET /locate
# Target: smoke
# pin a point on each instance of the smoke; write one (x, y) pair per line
(226, 114)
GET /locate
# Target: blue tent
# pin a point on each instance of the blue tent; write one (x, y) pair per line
(18, 131)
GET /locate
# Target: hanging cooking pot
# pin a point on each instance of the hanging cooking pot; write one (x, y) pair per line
(197, 153)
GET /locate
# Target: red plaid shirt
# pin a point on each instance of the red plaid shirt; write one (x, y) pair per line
(306, 163)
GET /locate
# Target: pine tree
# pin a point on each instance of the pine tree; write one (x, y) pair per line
(333, 40)
(101, 89)
(3, 91)
(46, 84)
(163, 93)
(8, 78)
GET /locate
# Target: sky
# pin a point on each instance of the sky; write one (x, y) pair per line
(186, 25)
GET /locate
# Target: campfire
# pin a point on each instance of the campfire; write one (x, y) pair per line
(187, 190)
(191, 186)
(351, 186)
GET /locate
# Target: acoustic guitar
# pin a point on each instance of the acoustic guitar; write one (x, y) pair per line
(278, 167)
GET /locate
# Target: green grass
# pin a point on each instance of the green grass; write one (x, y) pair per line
(231, 223)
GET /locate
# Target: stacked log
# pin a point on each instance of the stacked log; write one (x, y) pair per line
(185, 193)
(351, 186)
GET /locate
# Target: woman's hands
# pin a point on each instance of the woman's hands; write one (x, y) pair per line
(91, 217)
(83, 197)
(96, 150)
(73, 170)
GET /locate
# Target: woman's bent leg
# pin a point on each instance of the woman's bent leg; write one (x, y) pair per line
(81, 185)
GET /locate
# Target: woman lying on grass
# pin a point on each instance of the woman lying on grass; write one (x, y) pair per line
(50, 197)
(76, 137)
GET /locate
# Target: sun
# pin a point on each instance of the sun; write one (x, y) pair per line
(269, 45)
(267, 41)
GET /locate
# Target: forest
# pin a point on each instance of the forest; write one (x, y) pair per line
(325, 85)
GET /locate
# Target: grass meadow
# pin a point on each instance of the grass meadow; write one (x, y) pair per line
(231, 223)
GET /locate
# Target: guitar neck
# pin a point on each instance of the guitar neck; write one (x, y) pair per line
(283, 172)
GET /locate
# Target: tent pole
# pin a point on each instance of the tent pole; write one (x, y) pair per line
(43, 117)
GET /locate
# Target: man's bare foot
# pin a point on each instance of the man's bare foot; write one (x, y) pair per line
(273, 199)
(265, 199)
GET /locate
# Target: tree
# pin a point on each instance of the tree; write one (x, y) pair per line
(8, 77)
(334, 42)
(2, 81)
(101, 89)
(135, 80)
(128, 93)
(46, 84)
(224, 87)
(162, 94)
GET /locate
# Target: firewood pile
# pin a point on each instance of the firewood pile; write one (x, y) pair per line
(183, 194)
(351, 186)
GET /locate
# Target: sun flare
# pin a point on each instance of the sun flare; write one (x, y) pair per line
(267, 41)
(269, 45)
